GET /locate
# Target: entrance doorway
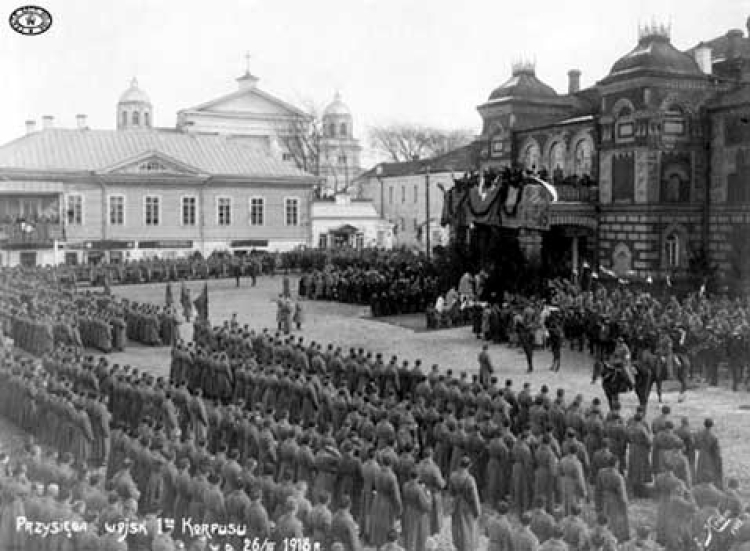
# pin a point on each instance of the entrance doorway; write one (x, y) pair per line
(27, 259)
(565, 248)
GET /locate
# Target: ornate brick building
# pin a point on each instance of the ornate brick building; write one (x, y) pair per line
(652, 162)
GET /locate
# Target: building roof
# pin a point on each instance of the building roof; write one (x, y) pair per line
(337, 107)
(721, 45)
(523, 84)
(462, 159)
(134, 94)
(100, 150)
(655, 53)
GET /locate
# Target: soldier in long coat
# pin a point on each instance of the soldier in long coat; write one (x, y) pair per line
(344, 529)
(572, 481)
(613, 499)
(522, 474)
(466, 508)
(417, 508)
(387, 505)
(709, 467)
(639, 456)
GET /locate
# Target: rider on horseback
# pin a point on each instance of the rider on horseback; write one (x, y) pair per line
(621, 360)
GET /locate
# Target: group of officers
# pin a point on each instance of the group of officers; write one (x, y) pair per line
(389, 290)
(701, 333)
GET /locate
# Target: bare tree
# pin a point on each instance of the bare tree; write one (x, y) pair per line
(301, 137)
(407, 142)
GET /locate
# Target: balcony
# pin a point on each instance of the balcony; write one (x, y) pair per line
(577, 193)
(20, 234)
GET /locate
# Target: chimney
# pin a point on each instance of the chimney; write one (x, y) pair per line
(30, 127)
(48, 121)
(734, 48)
(703, 57)
(574, 81)
(81, 122)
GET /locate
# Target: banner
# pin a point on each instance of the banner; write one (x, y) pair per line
(533, 211)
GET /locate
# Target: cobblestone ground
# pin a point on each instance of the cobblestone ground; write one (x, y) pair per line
(457, 349)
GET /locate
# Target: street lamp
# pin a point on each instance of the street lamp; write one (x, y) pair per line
(379, 176)
(427, 212)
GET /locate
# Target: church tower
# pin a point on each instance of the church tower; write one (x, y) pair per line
(134, 110)
(339, 150)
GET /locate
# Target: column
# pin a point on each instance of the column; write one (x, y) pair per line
(574, 254)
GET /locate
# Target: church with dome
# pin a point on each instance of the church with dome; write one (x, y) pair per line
(651, 162)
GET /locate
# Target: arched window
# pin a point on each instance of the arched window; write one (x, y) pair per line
(582, 160)
(342, 130)
(672, 251)
(557, 157)
(331, 130)
(531, 156)
(146, 120)
(136, 118)
(124, 118)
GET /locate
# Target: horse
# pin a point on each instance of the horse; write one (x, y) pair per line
(659, 367)
(615, 382)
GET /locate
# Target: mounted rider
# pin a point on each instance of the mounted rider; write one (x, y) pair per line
(620, 360)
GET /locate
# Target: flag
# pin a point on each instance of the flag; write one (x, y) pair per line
(669, 281)
(548, 187)
(169, 299)
(703, 290)
(201, 303)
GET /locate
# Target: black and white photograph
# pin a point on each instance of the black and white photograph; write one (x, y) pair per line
(375, 275)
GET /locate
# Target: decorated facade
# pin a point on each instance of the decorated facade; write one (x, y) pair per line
(651, 164)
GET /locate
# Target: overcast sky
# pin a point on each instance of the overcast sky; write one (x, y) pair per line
(422, 61)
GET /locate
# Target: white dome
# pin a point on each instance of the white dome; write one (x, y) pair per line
(337, 107)
(134, 94)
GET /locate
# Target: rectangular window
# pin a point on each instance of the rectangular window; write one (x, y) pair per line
(291, 211)
(152, 214)
(116, 210)
(189, 208)
(390, 195)
(257, 211)
(403, 193)
(416, 193)
(323, 241)
(224, 211)
(286, 156)
(75, 210)
(360, 241)
(342, 159)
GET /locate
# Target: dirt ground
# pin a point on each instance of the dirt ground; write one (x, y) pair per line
(350, 326)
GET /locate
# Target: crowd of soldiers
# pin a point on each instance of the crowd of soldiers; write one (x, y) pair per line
(294, 440)
(387, 289)
(39, 314)
(702, 332)
(156, 270)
